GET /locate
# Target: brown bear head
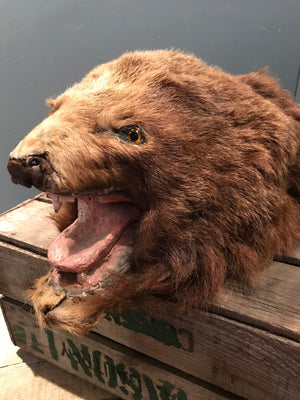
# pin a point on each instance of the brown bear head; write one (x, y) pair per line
(169, 178)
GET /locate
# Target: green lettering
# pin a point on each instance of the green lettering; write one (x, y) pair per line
(110, 370)
(181, 395)
(86, 356)
(51, 344)
(115, 317)
(19, 333)
(135, 383)
(97, 365)
(139, 322)
(167, 392)
(120, 370)
(64, 349)
(74, 363)
(35, 344)
(78, 357)
(150, 387)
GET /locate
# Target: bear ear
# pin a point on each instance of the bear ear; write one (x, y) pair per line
(50, 102)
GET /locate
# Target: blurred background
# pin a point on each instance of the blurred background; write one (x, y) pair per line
(47, 46)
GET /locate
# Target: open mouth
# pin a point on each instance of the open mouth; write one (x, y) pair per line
(97, 243)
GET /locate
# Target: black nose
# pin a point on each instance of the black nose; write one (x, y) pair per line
(30, 170)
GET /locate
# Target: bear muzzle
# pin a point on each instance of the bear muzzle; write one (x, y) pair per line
(33, 170)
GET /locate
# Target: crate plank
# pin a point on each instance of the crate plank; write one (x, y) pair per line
(106, 364)
(250, 362)
(293, 257)
(29, 226)
(19, 268)
(274, 304)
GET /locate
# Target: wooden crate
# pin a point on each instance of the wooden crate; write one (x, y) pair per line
(245, 346)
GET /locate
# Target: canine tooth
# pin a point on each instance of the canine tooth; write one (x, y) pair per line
(83, 276)
(55, 202)
(83, 206)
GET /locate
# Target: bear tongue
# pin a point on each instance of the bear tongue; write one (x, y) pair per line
(91, 238)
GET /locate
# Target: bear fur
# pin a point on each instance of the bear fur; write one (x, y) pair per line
(216, 178)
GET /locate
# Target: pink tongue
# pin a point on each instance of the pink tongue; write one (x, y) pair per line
(91, 238)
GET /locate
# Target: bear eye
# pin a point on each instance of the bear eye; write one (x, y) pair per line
(133, 133)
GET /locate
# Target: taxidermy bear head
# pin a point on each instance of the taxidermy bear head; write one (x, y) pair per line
(170, 179)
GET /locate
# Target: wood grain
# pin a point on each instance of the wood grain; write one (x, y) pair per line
(29, 226)
(273, 305)
(247, 361)
(18, 270)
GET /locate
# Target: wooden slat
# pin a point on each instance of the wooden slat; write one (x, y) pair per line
(29, 226)
(106, 364)
(20, 205)
(273, 305)
(250, 362)
(19, 268)
(293, 257)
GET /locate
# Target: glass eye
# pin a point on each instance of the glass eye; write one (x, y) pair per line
(135, 135)
(132, 133)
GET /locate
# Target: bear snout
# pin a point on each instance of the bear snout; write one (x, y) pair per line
(30, 171)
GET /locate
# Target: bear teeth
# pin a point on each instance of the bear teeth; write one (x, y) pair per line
(56, 205)
(109, 195)
(83, 205)
(57, 200)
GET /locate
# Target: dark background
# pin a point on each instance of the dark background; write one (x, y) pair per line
(47, 46)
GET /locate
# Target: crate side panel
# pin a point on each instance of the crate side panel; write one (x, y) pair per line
(106, 364)
(18, 270)
(250, 362)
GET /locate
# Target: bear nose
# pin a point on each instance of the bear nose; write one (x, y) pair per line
(29, 170)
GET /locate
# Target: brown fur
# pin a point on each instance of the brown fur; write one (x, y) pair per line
(217, 179)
